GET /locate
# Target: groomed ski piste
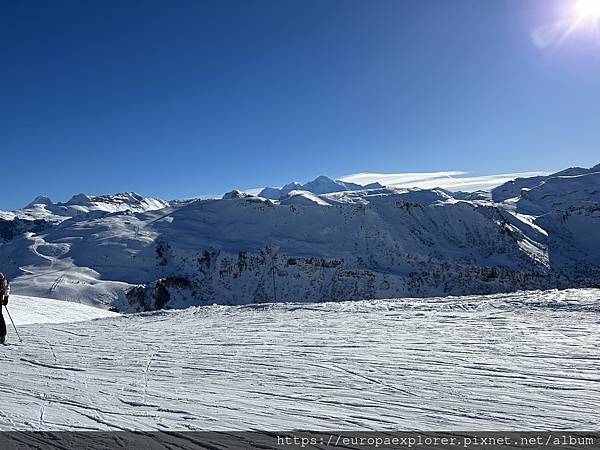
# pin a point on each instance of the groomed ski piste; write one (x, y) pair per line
(527, 360)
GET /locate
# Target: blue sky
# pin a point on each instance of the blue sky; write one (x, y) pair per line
(182, 98)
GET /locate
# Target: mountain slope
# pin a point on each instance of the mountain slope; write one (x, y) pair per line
(514, 188)
(561, 193)
(347, 245)
(246, 250)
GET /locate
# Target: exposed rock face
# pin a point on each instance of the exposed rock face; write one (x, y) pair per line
(11, 228)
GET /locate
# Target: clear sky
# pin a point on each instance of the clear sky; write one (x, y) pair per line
(183, 98)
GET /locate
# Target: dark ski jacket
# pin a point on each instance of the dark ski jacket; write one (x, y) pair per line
(4, 289)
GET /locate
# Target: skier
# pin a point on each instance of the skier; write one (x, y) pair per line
(4, 293)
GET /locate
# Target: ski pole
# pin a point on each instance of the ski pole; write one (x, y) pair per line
(13, 322)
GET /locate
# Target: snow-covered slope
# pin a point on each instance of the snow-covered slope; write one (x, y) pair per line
(513, 189)
(574, 237)
(561, 193)
(305, 198)
(575, 187)
(320, 185)
(36, 310)
(390, 197)
(517, 361)
(6, 215)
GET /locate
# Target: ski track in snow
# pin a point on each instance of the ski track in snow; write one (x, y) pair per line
(507, 361)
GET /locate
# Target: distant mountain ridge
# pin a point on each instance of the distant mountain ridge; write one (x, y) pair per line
(43, 208)
(357, 242)
(320, 185)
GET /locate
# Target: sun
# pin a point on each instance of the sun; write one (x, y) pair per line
(588, 9)
(581, 17)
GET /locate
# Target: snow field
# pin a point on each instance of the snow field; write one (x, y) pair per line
(508, 361)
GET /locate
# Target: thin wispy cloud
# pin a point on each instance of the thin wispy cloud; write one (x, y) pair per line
(452, 181)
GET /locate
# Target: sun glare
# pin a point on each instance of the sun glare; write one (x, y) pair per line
(588, 9)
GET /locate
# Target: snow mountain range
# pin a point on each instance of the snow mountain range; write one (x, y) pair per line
(320, 185)
(320, 241)
(43, 208)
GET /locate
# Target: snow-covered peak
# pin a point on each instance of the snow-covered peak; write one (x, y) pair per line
(40, 200)
(325, 185)
(80, 199)
(235, 194)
